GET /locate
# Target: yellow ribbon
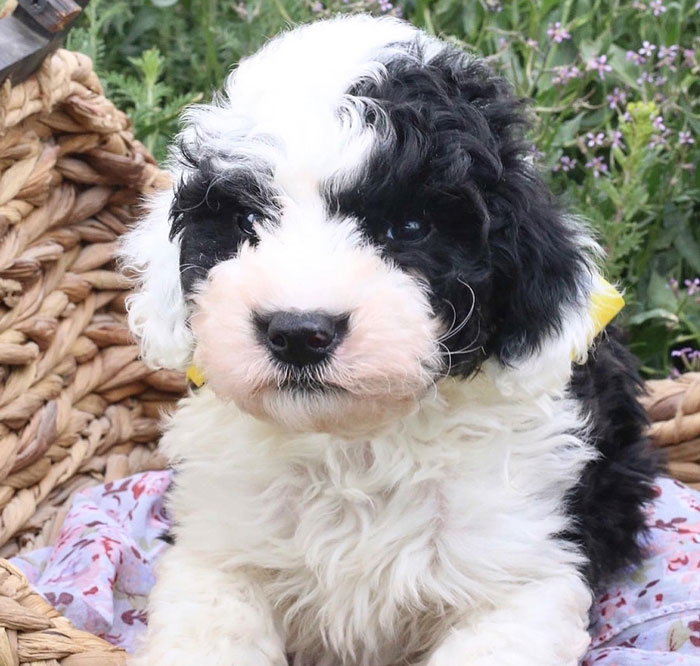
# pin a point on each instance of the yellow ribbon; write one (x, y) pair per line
(606, 302)
(195, 376)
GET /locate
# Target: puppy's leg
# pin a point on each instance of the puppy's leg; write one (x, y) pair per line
(200, 615)
(542, 624)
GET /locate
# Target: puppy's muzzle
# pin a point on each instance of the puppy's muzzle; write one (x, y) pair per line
(301, 338)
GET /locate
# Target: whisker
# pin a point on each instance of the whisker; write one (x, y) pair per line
(453, 331)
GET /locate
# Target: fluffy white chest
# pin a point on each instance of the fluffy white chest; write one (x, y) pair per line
(368, 550)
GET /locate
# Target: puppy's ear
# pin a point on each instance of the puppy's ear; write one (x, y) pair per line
(157, 310)
(539, 257)
(542, 266)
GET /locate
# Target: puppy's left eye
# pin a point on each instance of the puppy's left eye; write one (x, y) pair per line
(409, 230)
(246, 222)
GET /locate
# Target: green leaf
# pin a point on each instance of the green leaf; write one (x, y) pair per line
(656, 313)
(688, 247)
(659, 294)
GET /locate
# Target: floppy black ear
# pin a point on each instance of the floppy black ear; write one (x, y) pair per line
(538, 263)
(537, 259)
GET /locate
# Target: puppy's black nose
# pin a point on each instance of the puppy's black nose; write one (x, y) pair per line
(302, 338)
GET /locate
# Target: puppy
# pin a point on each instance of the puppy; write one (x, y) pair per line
(408, 447)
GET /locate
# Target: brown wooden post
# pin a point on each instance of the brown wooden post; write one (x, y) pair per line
(36, 28)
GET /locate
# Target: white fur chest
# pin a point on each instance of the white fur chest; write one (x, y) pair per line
(367, 549)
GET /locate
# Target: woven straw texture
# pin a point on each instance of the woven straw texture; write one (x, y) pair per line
(32, 633)
(77, 407)
(674, 409)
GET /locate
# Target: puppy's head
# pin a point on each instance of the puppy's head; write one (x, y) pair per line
(352, 219)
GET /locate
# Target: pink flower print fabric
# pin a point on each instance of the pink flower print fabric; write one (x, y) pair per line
(100, 571)
(651, 613)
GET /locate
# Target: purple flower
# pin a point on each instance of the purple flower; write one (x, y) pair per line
(667, 54)
(647, 49)
(658, 7)
(645, 77)
(635, 57)
(658, 140)
(557, 33)
(594, 139)
(565, 164)
(317, 7)
(600, 64)
(616, 139)
(657, 123)
(597, 165)
(689, 57)
(685, 138)
(681, 352)
(565, 74)
(385, 6)
(693, 287)
(616, 97)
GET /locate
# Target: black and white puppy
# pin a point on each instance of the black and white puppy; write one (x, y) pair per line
(409, 448)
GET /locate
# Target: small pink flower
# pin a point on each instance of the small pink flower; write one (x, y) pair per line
(634, 57)
(598, 166)
(600, 64)
(616, 97)
(557, 33)
(616, 139)
(594, 139)
(657, 123)
(645, 77)
(565, 74)
(657, 6)
(565, 164)
(647, 49)
(685, 138)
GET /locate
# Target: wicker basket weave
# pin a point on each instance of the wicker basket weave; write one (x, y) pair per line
(673, 406)
(71, 178)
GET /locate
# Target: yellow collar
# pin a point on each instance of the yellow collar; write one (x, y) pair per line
(606, 302)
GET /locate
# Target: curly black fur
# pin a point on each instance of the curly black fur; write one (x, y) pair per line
(609, 498)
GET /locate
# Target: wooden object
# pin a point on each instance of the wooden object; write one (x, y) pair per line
(35, 29)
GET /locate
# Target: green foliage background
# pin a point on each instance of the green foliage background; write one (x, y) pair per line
(628, 165)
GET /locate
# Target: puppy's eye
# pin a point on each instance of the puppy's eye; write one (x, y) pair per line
(246, 222)
(409, 230)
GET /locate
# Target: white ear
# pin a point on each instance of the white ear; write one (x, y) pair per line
(157, 310)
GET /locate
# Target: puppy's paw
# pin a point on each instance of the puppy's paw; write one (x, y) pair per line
(220, 653)
(465, 648)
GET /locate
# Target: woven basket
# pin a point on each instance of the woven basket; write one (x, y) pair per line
(673, 406)
(32, 633)
(77, 407)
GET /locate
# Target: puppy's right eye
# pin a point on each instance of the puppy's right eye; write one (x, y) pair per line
(246, 222)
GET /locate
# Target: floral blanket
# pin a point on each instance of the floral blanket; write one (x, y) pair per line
(100, 570)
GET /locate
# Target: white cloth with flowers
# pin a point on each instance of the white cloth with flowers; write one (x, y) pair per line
(100, 570)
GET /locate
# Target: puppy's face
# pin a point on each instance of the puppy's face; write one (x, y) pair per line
(356, 219)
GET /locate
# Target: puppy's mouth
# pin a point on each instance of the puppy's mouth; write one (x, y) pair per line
(307, 385)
